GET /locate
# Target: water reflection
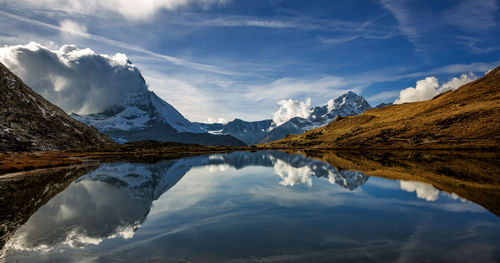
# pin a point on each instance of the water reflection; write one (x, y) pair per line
(423, 190)
(250, 206)
(114, 200)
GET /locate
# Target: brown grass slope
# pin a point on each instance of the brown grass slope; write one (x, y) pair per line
(30, 122)
(466, 118)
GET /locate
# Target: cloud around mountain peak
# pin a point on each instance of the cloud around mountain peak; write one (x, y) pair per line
(77, 80)
(291, 108)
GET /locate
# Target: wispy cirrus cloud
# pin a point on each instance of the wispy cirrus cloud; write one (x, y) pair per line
(128, 9)
(473, 15)
(421, 25)
(283, 22)
(406, 20)
(76, 29)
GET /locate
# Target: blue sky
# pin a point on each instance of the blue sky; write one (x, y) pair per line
(236, 59)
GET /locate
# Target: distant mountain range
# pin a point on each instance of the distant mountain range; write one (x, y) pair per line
(264, 131)
(145, 116)
(465, 118)
(142, 115)
(30, 122)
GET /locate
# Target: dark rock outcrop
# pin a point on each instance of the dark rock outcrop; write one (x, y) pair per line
(30, 122)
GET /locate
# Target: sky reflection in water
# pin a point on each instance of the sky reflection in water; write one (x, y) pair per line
(252, 206)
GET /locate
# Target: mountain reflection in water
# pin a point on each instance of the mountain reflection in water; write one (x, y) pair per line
(132, 212)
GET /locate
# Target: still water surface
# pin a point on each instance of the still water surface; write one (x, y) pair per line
(264, 206)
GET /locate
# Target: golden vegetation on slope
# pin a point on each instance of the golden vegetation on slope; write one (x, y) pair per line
(467, 118)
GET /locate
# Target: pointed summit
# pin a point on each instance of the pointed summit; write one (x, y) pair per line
(350, 104)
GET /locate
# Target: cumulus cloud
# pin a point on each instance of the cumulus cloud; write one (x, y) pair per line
(456, 83)
(424, 90)
(129, 9)
(290, 109)
(429, 87)
(424, 191)
(77, 80)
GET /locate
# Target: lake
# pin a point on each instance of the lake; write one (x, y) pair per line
(265, 206)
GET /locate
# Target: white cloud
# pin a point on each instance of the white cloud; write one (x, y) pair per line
(291, 176)
(72, 27)
(406, 19)
(200, 96)
(119, 44)
(429, 87)
(290, 109)
(424, 191)
(456, 83)
(129, 9)
(319, 89)
(77, 80)
(424, 90)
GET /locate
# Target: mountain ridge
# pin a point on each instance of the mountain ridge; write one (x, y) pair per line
(468, 118)
(145, 116)
(30, 122)
(257, 132)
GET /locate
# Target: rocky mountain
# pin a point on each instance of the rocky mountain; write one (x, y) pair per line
(145, 116)
(108, 91)
(467, 118)
(249, 132)
(30, 122)
(265, 131)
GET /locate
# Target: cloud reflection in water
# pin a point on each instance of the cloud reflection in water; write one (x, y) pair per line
(226, 193)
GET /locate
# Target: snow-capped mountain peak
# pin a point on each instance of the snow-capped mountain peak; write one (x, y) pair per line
(346, 105)
(266, 130)
(138, 111)
(351, 103)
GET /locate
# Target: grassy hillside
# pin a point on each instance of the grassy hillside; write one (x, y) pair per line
(468, 118)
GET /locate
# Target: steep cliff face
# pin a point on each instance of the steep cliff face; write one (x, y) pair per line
(30, 122)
